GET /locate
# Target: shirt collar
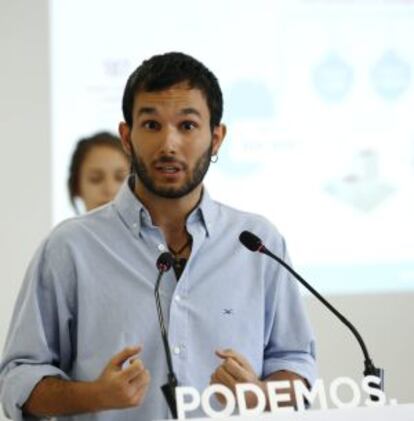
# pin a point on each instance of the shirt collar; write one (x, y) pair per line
(206, 212)
(130, 208)
(134, 214)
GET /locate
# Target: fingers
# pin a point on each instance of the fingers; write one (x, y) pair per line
(142, 380)
(230, 353)
(124, 381)
(119, 359)
(134, 370)
(221, 376)
(224, 353)
(234, 369)
(234, 363)
(141, 390)
(140, 383)
(237, 366)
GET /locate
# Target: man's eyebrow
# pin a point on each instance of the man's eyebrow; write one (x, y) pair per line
(190, 110)
(154, 111)
(146, 110)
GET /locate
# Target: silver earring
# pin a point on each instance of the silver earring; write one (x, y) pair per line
(214, 158)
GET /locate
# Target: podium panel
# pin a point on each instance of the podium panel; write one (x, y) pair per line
(381, 413)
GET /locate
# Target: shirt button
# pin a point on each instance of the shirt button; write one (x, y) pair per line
(134, 224)
(161, 247)
(176, 350)
(177, 298)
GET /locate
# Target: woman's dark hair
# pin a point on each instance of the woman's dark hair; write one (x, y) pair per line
(83, 147)
(163, 71)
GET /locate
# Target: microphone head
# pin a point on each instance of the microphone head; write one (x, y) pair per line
(251, 241)
(164, 262)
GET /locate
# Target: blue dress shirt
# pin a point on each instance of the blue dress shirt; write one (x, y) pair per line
(89, 292)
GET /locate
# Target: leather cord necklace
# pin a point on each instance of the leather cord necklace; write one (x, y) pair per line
(176, 253)
(180, 262)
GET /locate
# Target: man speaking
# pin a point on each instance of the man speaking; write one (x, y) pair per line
(84, 341)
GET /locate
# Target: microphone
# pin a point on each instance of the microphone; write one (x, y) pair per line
(254, 243)
(164, 263)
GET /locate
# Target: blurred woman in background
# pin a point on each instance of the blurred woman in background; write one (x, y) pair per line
(98, 167)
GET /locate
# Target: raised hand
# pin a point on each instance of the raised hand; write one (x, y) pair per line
(233, 370)
(121, 386)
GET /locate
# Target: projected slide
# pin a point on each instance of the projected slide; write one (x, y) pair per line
(319, 104)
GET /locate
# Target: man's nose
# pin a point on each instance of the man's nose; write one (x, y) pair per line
(170, 140)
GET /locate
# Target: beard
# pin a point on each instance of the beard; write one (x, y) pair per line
(196, 177)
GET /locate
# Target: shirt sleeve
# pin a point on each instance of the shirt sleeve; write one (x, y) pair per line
(39, 341)
(289, 340)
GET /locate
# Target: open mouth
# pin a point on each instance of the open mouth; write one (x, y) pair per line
(168, 169)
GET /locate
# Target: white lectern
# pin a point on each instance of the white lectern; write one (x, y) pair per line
(381, 413)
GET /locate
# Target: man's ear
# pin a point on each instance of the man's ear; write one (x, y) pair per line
(219, 133)
(125, 135)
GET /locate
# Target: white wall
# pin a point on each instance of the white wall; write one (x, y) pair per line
(25, 182)
(386, 324)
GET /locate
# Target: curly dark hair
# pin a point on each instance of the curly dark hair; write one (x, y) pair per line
(79, 154)
(163, 71)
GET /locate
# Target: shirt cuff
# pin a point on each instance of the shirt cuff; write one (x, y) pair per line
(19, 383)
(304, 367)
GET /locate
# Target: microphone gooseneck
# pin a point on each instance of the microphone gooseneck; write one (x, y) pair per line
(164, 263)
(254, 243)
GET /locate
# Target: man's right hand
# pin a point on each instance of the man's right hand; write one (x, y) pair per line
(123, 387)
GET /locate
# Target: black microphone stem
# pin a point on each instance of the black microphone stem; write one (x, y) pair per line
(162, 326)
(254, 244)
(369, 366)
(168, 389)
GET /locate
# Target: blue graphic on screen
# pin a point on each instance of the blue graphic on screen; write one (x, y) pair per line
(333, 78)
(391, 76)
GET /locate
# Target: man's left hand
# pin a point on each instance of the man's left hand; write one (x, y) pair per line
(233, 370)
